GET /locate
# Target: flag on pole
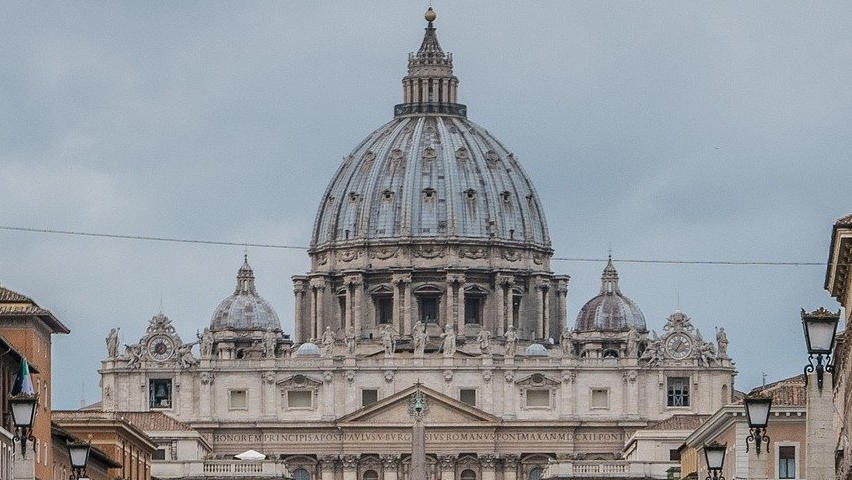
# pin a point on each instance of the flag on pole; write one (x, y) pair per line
(23, 383)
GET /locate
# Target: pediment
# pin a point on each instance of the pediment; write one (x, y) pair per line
(537, 380)
(299, 381)
(395, 410)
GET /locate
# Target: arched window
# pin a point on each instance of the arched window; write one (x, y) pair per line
(370, 475)
(301, 474)
(535, 474)
(468, 475)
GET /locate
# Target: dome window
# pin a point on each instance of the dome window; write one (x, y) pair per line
(507, 197)
(429, 153)
(353, 197)
(429, 194)
(387, 195)
(461, 154)
(470, 194)
(492, 159)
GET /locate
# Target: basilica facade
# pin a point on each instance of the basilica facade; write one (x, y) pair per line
(429, 271)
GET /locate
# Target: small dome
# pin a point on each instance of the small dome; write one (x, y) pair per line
(536, 350)
(307, 349)
(245, 309)
(610, 310)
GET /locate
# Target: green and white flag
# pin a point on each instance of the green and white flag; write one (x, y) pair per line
(24, 382)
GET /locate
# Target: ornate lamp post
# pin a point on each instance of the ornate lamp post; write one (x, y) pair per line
(820, 327)
(714, 455)
(23, 407)
(757, 413)
(79, 453)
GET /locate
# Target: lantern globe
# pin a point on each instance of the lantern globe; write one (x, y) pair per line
(23, 409)
(819, 333)
(757, 410)
(714, 455)
(79, 453)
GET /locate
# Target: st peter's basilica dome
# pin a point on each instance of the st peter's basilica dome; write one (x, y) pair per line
(430, 173)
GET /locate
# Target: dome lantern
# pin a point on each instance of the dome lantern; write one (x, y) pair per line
(430, 86)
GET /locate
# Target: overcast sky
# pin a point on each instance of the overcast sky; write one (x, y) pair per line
(663, 130)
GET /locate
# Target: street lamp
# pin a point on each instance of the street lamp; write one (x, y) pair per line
(820, 327)
(757, 413)
(23, 414)
(714, 455)
(79, 453)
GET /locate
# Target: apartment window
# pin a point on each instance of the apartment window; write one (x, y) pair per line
(159, 454)
(468, 396)
(238, 400)
(678, 392)
(600, 398)
(538, 398)
(160, 393)
(299, 399)
(384, 310)
(786, 461)
(369, 397)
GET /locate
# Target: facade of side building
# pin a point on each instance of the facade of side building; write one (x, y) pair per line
(838, 283)
(28, 328)
(782, 457)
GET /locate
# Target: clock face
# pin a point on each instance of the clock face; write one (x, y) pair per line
(161, 347)
(679, 346)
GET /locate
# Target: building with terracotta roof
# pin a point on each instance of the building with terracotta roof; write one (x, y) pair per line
(782, 458)
(10, 361)
(99, 466)
(28, 328)
(126, 444)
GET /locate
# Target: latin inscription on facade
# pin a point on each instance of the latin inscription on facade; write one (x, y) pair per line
(405, 437)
